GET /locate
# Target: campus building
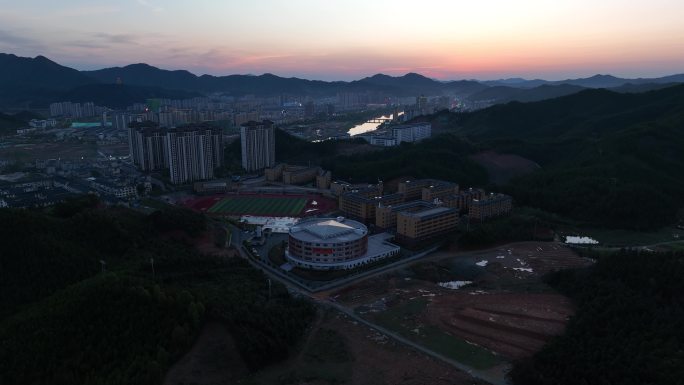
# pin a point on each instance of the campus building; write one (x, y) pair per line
(411, 132)
(258, 145)
(339, 187)
(323, 180)
(489, 206)
(300, 175)
(413, 189)
(335, 243)
(396, 134)
(212, 186)
(386, 216)
(290, 174)
(361, 204)
(463, 199)
(438, 190)
(417, 227)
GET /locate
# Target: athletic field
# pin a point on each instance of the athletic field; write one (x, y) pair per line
(256, 205)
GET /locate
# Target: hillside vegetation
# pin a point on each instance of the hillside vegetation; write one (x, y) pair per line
(65, 321)
(10, 123)
(627, 329)
(609, 158)
(443, 157)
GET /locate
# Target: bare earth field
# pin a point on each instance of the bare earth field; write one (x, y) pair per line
(32, 151)
(482, 309)
(29, 151)
(213, 360)
(512, 325)
(354, 354)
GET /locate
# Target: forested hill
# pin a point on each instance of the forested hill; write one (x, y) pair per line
(627, 329)
(65, 321)
(589, 112)
(607, 158)
(9, 123)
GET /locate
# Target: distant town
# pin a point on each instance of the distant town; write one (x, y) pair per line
(123, 155)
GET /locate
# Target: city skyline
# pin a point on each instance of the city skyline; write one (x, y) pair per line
(352, 39)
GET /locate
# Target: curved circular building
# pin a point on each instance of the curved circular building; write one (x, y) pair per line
(328, 244)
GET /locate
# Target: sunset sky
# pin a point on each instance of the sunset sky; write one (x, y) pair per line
(342, 40)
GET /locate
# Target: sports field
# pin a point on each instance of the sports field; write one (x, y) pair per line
(257, 205)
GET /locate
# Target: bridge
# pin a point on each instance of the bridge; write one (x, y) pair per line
(379, 120)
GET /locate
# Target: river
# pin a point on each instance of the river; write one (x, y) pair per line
(368, 126)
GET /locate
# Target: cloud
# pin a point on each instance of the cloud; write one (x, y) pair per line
(100, 41)
(82, 11)
(17, 42)
(124, 38)
(86, 44)
(147, 4)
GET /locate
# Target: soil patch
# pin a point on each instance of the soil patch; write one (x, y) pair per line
(494, 299)
(511, 324)
(213, 360)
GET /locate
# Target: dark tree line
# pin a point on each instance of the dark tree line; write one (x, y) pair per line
(64, 321)
(628, 328)
(514, 228)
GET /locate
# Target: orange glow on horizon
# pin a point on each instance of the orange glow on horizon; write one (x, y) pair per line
(337, 40)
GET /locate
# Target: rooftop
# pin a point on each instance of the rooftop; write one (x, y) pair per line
(328, 230)
(429, 213)
(418, 182)
(491, 198)
(254, 124)
(410, 205)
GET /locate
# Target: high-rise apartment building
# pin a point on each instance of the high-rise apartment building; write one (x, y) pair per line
(194, 152)
(258, 145)
(147, 146)
(190, 153)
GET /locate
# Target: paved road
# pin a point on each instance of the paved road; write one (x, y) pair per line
(494, 377)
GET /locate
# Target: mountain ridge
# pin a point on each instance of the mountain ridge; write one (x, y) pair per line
(40, 81)
(594, 81)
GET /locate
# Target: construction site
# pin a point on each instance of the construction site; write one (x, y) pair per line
(484, 309)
